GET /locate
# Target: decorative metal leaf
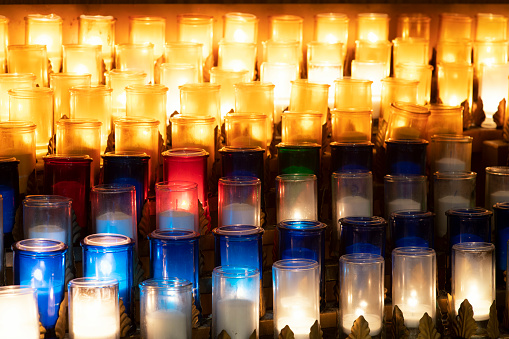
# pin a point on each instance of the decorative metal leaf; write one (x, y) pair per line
(195, 315)
(465, 325)
(42, 331)
(493, 325)
(286, 333)
(62, 318)
(223, 335)
(253, 335)
(399, 330)
(499, 115)
(125, 321)
(52, 145)
(32, 184)
(316, 331)
(427, 329)
(75, 227)
(360, 329)
(110, 144)
(204, 222)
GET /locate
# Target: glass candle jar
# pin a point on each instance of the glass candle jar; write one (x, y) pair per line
(197, 28)
(414, 271)
(454, 52)
(166, 308)
(414, 72)
(46, 30)
(19, 314)
(373, 26)
(445, 120)
(148, 101)
(497, 185)
(325, 65)
(185, 53)
(296, 197)
(452, 190)
(177, 205)
(9, 190)
(455, 83)
(110, 256)
(201, 100)
(48, 217)
(4, 37)
(361, 291)
(36, 105)
(138, 57)
(351, 157)
(362, 235)
(227, 77)
(412, 229)
(489, 53)
(173, 76)
(453, 26)
(40, 264)
(298, 158)
(469, 225)
(405, 157)
(18, 140)
(492, 88)
(414, 26)
(128, 168)
(98, 30)
(331, 27)
(501, 214)
(238, 56)
(246, 130)
(118, 80)
(410, 50)
(235, 301)
(301, 127)
(374, 51)
(113, 210)
(175, 253)
(81, 137)
(397, 90)
(240, 27)
(148, 29)
(93, 102)
(375, 72)
(69, 176)
(94, 301)
(29, 59)
(140, 134)
(187, 164)
(10, 81)
(490, 27)
(450, 153)
(308, 96)
(286, 28)
(405, 193)
(60, 83)
(351, 125)
(83, 59)
(296, 296)
(239, 201)
(243, 161)
(473, 277)
(282, 51)
(352, 94)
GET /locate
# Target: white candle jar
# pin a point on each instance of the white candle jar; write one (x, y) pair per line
(235, 301)
(296, 286)
(177, 205)
(414, 72)
(473, 277)
(414, 271)
(490, 27)
(19, 316)
(361, 291)
(94, 308)
(450, 153)
(237, 56)
(166, 308)
(405, 193)
(497, 185)
(332, 28)
(239, 201)
(173, 76)
(352, 94)
(455, 83)
(197, 28)
(296, 197)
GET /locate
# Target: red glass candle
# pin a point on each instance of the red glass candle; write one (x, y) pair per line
(187, 164)
(69, 176)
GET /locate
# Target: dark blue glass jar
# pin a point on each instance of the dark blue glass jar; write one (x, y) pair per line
(242, 161)
(351, 157)
(40, 263)
(303, 239)
(362, 235)
(9, 190)
(405, 157)
(469, 225)
(501, 213)
(110, 256)
(128, 168)
(176, 254)
(412, 229)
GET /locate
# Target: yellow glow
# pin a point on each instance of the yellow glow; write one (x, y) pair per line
(240, 36)
(93, 40)
(80, 69)
(372, 37)
(43, 39)
(331, 38)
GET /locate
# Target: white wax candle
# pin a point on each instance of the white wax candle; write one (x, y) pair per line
(94, 319)
(115, 222)
(444, 204)
(354, 206)
(17, 321)
(238, 317)
(300, 326)
(52, 232)
(450, 165)
(376, 103)
(413, 313)
(237, 213)
(166, 325)
(176, 220)
(374, 321)
(499, 196)
(398, 205)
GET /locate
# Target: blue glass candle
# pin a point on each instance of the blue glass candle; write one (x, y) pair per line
(351, 157)
(9, 190)
(40, 264)
(405, 157)
(303, 239)
(128, 168)
(298, 158)
(110, 256)
(176, 253)
(469, 225)
(501, 213)
(412, 229)
(362, 235)
(244, 162)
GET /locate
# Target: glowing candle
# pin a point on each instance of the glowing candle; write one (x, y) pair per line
(29, 59)
(10, 81)
(373, 71)
(332, 28)
(493, 88)
(138, 57)
(147, 29)
(98, 30)
(83, 59)
(19, 315)
(240, 27)
(197, 28)
(61, 83)
(173, 76)
(373, 26)
(185, 53)
(296, 197)
(177, 205)
(227, 78)
(239, 208)
(118, 80)
(46, 30)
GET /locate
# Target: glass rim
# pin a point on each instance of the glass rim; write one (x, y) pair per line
(295, 265)
(307, 225)
(238, 44)
(195, 87)
(176, 66)
(125, 154)
(407, 141)
(455, 16)
(40, 245)
(362, 259)
(455, 175)
(245, 115)
(451, 137)
(255, 84)
(455, 65)
(414, 16)
(238, 230)
(173, 234)
(469, 213)
(148, 18)
(93, 282)
(107, 240)
(325, 44)
(350, 80)
(240, 181)
(222, 71)
(67, 157)
(20, 76)
(411, 215)
(497, 170)
(96, 48)
(15, 290)
(195, 119)
(399, 81)
(136, 121)
(501, 206)
(147, 88)
(195, 17)
(97, 17)
(235, 272)
(306, 82)
(417, 66)
(69, 75)
(185, 152)
(405, 178)
(413, 251)
(18, 124)
(412, 40)
(373, 15)
(79, 123)
(352, 111)
(363, 222)
(376, 44)
(176, 186)
(126, 73)
(241, 149)
(8, 159)
(293, 43)
(409, 107)
(297, 145)
(28, 92)
(296, 177)
(351, 174)
(113, 188)
(44, 18)
(301, 114)
(332, 15)
(181, 44)
(27, 47)
(352, 144)
(130, 45)
(167, 284)
(241, 17)
(473, 247)
(47, 200)
(90, 90)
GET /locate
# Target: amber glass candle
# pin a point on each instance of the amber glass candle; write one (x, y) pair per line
(490, 27)
(286, 28)
(227, 79)
(373, 27)
(240, 27)
(185, 53)
(83, 59)
(98, 30)
(46, 30)
(148, 29)
(351, 125)
(246, 130)
(201, 99)
(352, 94)
(118, 80)
(237, 56)
(453, 26)
(445, 120)
(197, 28)
(4, 39)
(148, 101)
(374, 51)
(490, 53)
(301, 127)
(11, 81)
(455, 82)
(308, 96)
(136, 57)
(458, 51)
(421, 73)
(173, 76)
(332, 28)
(411, 50)
(29, 59)
(407, 121)
(414, 26)
(396, 90)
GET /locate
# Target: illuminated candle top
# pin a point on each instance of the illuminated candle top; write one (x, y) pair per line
(98, 30)
(413, 26)
(286, 28)
(454, 26)
(46, 30)
(240, 27)
(196, 28)
(331, 28)
(151, 29)
(490, 27)
(373, 27)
